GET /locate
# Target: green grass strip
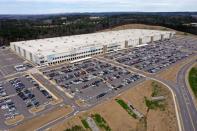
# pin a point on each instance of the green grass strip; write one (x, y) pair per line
(193, 80)
(101, 122)
(126, 107)
(85, 124)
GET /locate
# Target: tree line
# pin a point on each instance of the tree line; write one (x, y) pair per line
(53, 26)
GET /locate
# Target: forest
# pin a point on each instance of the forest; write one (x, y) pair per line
(28, 28)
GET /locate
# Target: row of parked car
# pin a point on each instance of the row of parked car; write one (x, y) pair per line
(152, 57)
(24, 93)
(2, 91)
(41, 89)
(9, 108)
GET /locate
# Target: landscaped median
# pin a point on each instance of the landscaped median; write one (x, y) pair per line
(14, 120)
(100, 121)
(126, 107)
(193, 80)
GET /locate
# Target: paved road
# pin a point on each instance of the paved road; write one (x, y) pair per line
(184, 100)
(186, 106)
(187, 110)
(187, 100)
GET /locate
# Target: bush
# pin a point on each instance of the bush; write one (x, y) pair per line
(154, 104)
(85, 124)
(75, 128)
(100, 121)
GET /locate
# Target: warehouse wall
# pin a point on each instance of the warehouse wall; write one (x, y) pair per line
(133, 43)
(167, 36)
(146, 40)
(86, 51)
(157, 37)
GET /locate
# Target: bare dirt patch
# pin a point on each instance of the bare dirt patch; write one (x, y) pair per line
(36, 109)
(143, 26)
(55, 102)
(14, 120)
(36, 122)
(118, 119)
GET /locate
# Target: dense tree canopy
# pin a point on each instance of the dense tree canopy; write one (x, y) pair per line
(52, 26)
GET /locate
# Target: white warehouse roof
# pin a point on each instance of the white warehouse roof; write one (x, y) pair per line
(63, 44)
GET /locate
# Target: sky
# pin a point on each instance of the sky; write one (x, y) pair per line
(70, 6)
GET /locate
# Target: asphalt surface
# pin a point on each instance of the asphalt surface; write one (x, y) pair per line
(186, 107)
(187, 110)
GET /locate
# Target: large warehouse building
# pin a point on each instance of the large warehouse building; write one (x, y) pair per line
(51, 51)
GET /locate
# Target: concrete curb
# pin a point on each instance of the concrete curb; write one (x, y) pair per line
(175, 104)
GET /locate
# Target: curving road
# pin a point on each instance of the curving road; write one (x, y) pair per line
(186, 108)
(187, 103)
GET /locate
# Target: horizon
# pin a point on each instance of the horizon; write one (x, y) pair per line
(42, 7)
(65, 13)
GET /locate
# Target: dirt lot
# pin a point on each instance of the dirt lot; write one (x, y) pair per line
(171, 73)
(142, 26)
(43, 119)
(14, 120)
(119, 120)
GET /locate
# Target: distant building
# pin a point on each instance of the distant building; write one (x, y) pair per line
(49, 21)
(194, 24)
(69, 48)
(94, 17)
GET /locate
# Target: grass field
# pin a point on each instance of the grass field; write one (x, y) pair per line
(193, 80)
(118, 119)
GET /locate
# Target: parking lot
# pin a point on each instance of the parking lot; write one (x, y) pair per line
(91, 80)
(153, 57)
(19, 95)
(8, 61)
(185, 43)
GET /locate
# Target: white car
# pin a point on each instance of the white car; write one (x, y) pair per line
(3, 107)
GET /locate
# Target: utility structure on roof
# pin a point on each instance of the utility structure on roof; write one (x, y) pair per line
(56, 50)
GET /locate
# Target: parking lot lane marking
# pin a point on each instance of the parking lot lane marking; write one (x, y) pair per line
(2, 72)
(54, 96)
(58, 87)
(1, 98)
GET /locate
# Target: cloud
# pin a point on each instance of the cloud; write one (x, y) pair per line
(63, 6)
(70, 1)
